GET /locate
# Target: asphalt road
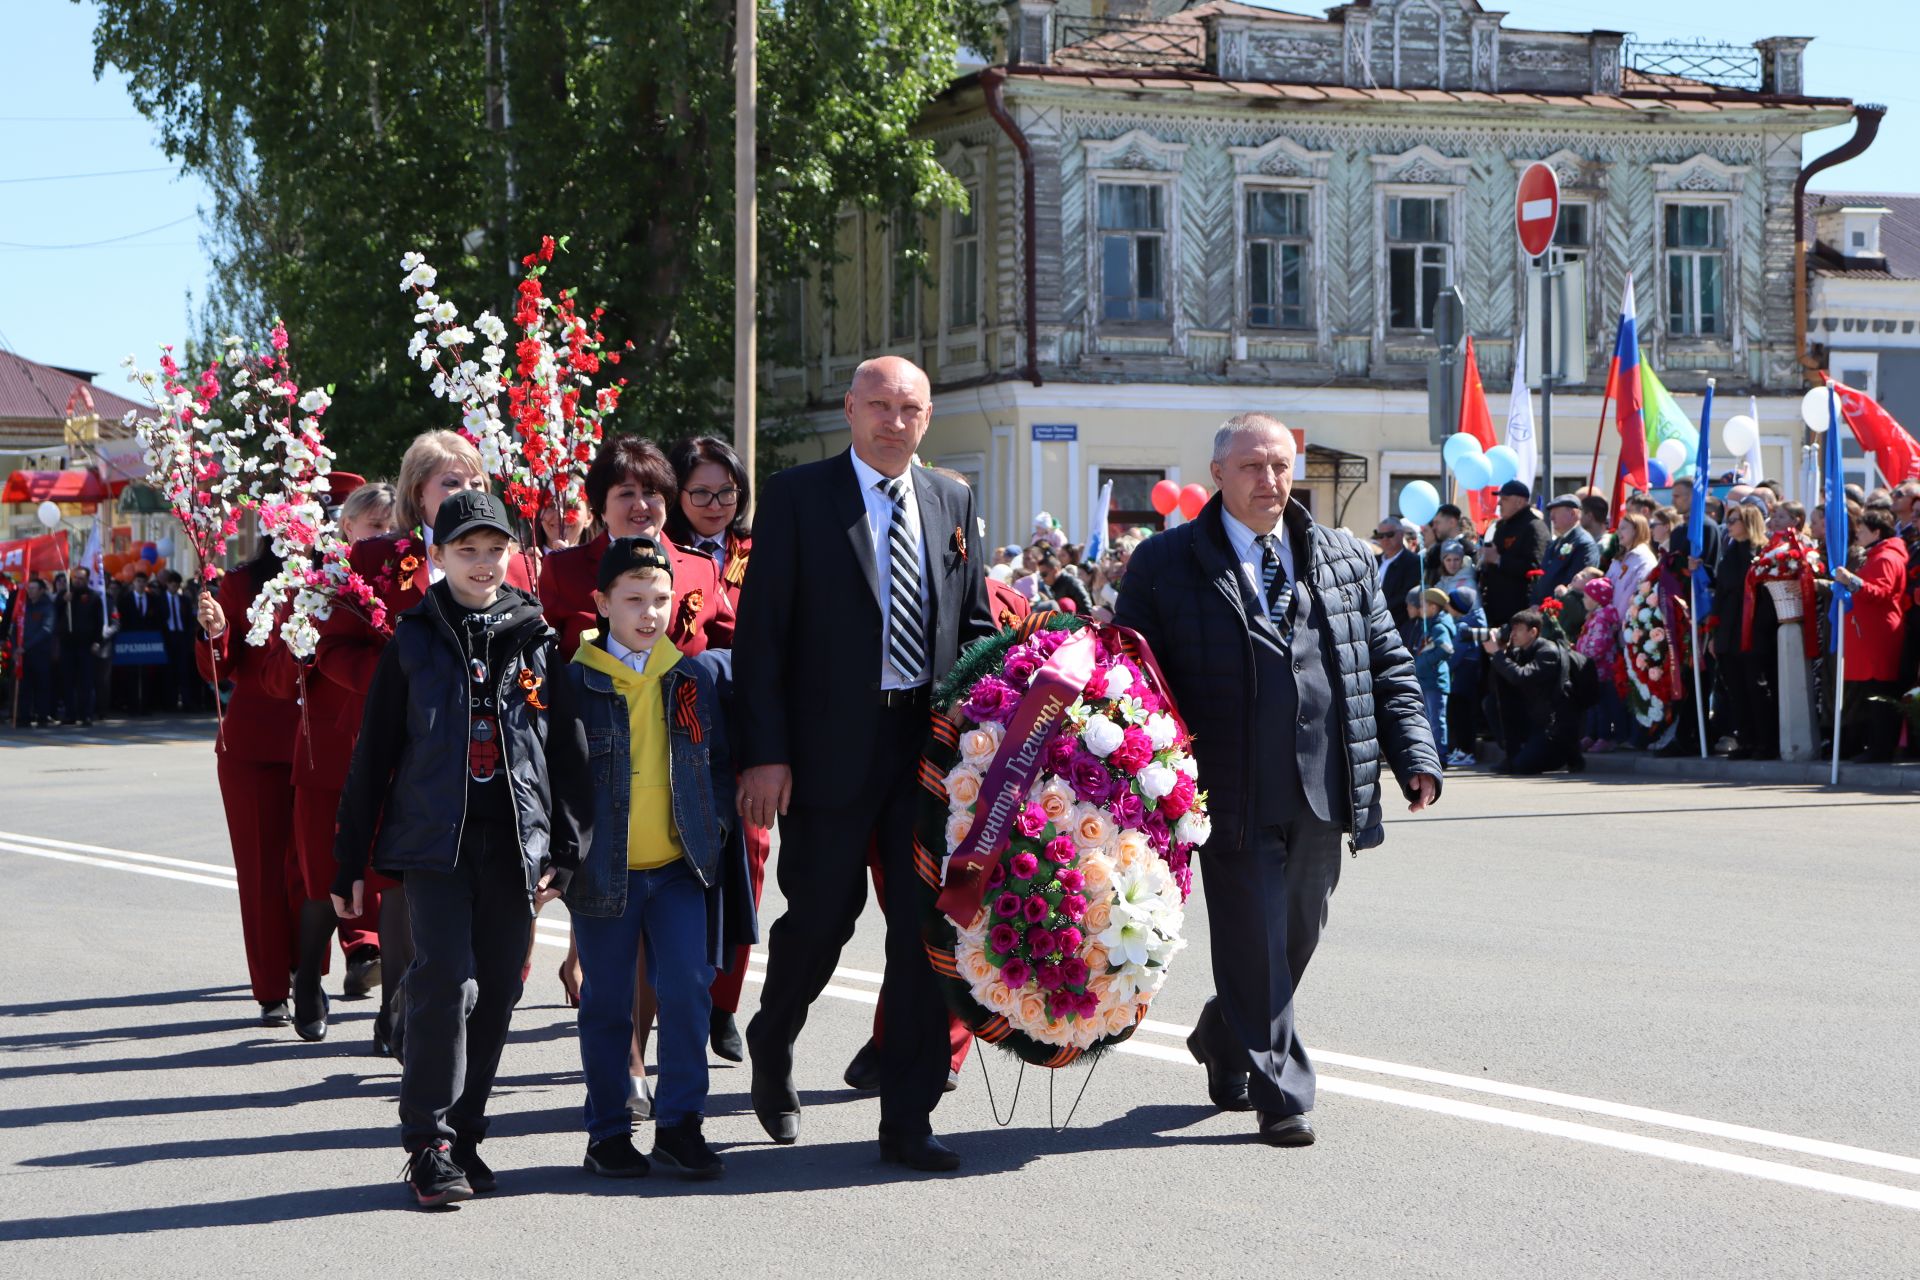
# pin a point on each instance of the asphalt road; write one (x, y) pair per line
(1565, 1028)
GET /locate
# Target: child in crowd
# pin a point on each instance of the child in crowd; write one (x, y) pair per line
(1463, 700)
(662, 864)
(1433, 658)
(1600, 641)
(449, 788)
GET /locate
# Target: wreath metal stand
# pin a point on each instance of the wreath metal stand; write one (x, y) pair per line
(1013, 1104)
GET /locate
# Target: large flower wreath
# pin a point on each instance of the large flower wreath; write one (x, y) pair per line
(1649, 657)
(1064, 796)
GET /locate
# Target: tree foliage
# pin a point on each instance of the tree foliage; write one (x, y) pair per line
(338, 134)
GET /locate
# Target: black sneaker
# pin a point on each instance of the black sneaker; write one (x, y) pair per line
(466, 1154)
(434, 1178)
(680, 1149)
(615, 1157)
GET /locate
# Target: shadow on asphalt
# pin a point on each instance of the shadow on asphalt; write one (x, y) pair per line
(129, 1000)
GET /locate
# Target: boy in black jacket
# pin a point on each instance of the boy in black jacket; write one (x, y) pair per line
(449, 789)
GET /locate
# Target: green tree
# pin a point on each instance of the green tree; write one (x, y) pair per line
(338, 134)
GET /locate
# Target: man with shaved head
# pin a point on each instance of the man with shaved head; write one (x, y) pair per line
(866, 581)
(1274, 635)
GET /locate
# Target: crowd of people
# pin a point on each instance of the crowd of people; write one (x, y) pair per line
(1566, 632)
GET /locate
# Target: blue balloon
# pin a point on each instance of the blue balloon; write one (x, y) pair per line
(149, 554)
(1505, 463)
(1419, 501)
(1459, 445)
(1657, 475)
(1474, 471)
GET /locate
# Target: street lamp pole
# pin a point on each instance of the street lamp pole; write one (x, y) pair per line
(746, 241)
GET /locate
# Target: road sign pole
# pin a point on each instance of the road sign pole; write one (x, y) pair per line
(1548, 368)
(1537, 217)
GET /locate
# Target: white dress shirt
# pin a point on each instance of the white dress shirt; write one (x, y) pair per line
(1244, 544)
(1380, 571)
(879, 520)
(434, 571)
(635, 659)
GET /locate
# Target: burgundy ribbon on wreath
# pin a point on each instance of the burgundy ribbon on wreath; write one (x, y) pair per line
(1017, 763)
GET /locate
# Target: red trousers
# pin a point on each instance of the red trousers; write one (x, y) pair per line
(315, 813)
(259, 802)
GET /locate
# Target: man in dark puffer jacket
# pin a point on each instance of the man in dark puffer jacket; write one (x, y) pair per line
(1276, 644)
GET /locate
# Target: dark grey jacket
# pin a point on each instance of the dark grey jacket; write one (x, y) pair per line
(1182, 595)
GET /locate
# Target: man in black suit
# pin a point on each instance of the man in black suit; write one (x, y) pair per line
(1399, 568)
(1274, 636)
(865, 583)
(1512, 554)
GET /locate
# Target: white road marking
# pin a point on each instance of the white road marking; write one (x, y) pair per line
(553, 933)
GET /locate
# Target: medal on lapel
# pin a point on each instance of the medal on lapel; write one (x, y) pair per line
(960, 542)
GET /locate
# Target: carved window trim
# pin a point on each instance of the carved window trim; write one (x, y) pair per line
(1281, 164)
(1135, 158)
(1730, 339)
(1422, 173)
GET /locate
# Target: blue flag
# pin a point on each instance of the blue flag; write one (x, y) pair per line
(1836, 500)
(1697, 510)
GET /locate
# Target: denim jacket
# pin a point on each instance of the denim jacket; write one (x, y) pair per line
(594, 798)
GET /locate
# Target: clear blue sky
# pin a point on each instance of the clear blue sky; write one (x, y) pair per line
(88, 307)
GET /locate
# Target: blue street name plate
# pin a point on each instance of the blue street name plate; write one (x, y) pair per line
(1056, 431)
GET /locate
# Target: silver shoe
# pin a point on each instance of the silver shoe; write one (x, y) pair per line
(640, 1097)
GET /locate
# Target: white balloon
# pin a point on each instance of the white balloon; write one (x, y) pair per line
(1672, 455)
(49, 514)
(1740, 434)
(1813, 410)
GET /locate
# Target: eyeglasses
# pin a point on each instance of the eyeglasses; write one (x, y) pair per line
(1386, 533)
(714, 497)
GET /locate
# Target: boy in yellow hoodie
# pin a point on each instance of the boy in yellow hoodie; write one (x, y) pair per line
(652, 803)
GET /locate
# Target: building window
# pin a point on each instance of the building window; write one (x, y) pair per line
(1277, 241)
(1696, 251)
(1132, 220)
(903, 306)
(1573, 236)
(782, 320)
(1419, 260)
(1132, 504)
(963, 263)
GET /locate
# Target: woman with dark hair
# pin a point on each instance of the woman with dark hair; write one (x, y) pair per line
(253, 757)
(1873, 636)
(630, 489)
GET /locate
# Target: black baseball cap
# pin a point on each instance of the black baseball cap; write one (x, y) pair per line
(461, 513)
(632, 555)
(1515, 489)
(1564, 500)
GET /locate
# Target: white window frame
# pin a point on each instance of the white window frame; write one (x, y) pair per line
(1700, 179)
(1725, 206)
(1842, 363)
(1097, 296)
(1453, 245)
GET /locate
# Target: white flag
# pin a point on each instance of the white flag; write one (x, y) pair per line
(1520, 437)
(1754, 474)
(1096, 543)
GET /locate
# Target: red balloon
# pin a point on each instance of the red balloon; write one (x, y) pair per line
(1166, 496)
(1192, 498)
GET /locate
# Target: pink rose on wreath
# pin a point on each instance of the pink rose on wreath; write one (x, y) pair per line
(1023, 865)
(1073, 906)
(1007, 904)
(1181, 864)
(1035, 909)
(1158, 832)
(1060, 849)
(1068, 940)
(1092, 781)
(1003, 939)
(1177, 801)
(1129, 810)
(1041, 941)
(1075, 971)
(1050, 977)
(1071, 879)
(1031, 822)
(1089, 1004)
(1135, 751)
(1021, 665)
(1048, 641)
(998, 876)
(1057, 756)
(1015, 973)
(992, 699)
(1150, 702)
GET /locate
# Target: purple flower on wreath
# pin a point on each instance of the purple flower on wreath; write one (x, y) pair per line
(1181, 864)
(1073, 906)
(1003, 939)
(1031, 822)
(1021, 664)
(1159, 835)
(1048, 641)
(992, 699)
(1128, 809)
(1023, 865)
(1035, 910)
(1015, 973)
(1068, 939)
(1008, 905)
(1091, 779)
(1051, 979)
(998, 876)
(1041, 941)
(1135, 751)
(1057, 756)
(1060, 849)
(1075, 971)
(1072, 880)
(1087, 1004)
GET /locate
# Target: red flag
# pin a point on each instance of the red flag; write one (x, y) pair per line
(1476, 420)
(1892, 448)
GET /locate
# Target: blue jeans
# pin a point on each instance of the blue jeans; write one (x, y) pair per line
(1435, 701)
(666, 913)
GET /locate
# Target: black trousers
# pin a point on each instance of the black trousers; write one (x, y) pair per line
(822, 873)
(470, 931)
(1759, 669)
(1266, 906)
(36, 684)
(82, 672)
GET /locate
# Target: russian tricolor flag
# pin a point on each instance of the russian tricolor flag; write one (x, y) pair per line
(1629, 406)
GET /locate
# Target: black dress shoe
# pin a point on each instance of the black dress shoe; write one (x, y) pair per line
(311, 1024)
(778, 1107)
(724, 1035)
(1285, 1131)
(275, 1014)
(863, 1073)
(923, 1152)
(382, 1035)
(1227, 1088)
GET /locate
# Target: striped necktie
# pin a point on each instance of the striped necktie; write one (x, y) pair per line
(1277, 586)
(906, 630)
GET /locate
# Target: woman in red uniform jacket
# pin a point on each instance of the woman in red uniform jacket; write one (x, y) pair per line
(630, 489)
(396, 566)
(254, 760)
(1873, 633)
(710, 521)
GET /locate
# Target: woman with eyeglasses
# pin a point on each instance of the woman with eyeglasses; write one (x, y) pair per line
(712, 519)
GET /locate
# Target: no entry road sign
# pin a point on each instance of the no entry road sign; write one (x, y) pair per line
(1538, 211)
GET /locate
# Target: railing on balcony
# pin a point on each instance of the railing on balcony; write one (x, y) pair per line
(1130, 42)
(1731, 66)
